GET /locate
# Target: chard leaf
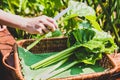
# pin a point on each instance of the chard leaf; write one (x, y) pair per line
(93, 44)
(92, 51)
(87, 56)
(80, 36)
(85, 24)
(92, 19)
(81, 9)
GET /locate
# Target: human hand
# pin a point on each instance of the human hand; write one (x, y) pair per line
(39, 25)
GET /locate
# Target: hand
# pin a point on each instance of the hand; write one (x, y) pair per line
(40, 25)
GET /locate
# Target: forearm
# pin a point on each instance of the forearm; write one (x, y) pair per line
(36, 25)
(11, 20)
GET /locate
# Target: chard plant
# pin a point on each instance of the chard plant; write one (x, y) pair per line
(86, 45)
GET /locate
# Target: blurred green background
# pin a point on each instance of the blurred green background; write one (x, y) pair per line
(107, 12)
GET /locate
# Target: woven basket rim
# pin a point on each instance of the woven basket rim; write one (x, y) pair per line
(54, 38)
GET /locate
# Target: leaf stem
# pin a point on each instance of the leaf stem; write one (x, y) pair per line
(56, 72)
(55, 58)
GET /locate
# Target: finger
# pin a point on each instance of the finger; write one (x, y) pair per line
(39, 31)
(41, 26)
(52, 21)
(49, 25)
(49, 19)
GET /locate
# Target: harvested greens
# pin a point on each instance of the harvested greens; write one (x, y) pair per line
(86, 45)
(28, 58)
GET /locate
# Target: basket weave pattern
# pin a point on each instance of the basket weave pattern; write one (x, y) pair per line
(46, 45)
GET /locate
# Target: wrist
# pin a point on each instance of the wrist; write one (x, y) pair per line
(23, 23)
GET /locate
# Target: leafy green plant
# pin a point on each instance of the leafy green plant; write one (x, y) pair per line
(82, 49)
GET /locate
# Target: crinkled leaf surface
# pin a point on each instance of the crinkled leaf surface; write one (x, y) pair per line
(83, 10)
(93, 44)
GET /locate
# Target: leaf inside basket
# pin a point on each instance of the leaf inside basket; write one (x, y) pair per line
(28, 58)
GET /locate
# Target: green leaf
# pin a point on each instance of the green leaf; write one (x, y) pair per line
(92, 19)
(28, 58)
(56, 33)
(80, 36)
(80, 8)
(11, 6)
(93, 44)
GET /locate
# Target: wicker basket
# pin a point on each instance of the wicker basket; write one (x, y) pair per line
(46, 45)
(58, 44)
